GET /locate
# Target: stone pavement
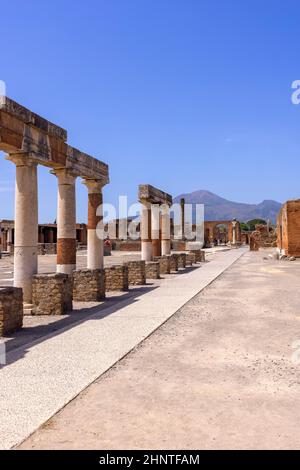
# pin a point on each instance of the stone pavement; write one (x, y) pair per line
(43, 376)
(222, 373)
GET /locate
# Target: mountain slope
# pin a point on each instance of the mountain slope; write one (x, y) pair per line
(218, 208)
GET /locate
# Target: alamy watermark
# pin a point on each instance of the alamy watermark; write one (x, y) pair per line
(2, 353)
(296, 93)
(132, 223)
(2, 93)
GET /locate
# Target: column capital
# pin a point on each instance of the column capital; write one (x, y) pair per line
(64, 175)
(21, 159)
(94, 186)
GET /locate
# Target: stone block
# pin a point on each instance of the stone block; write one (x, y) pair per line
(11, 310)
(51, 294)
(116, 278)
(202, 255)
(89, 285)
(164, 264)
(136, 272)
(173, 262)
(197, 254)
(152, 270)
(181, 260)
(190, 259)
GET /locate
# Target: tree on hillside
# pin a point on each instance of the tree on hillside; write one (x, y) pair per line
(244, 226)
(252, 223)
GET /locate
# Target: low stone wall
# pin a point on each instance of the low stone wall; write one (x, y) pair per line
(190, 259)
(202, 255)
(173, 262)
(11, 310)
(164, 264)
(41, 249)
(152, 270)
(50, 248)
(178, 245)
(181, 260)
(116, 278)
(89, 285)
(136, 272)
(51, 294)
(128, 245)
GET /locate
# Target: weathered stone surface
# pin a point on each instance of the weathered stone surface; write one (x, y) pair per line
(116, 278)
(181, 260)
(50, 248)
(89, 285)
(11, 310)
(197, 254)
(136, 272)
(164, 264)
(190, 259)
(51, 294)
(151, 194)
(202, 255)
(288, 228)
(173, 262)
(152, 270)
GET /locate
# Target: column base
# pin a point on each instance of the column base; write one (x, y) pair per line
(65, 268)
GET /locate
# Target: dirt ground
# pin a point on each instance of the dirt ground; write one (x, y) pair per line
(222, 373)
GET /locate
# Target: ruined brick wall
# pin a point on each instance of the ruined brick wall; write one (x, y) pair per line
(116, 278)
(11, 310)
(89, 285)
(164, 264)
(129, 245)
(136, 272)
(288, 228)
(261, 237)
(51, 294)
(152, 270)
(173, 262)
(198, 256)
(190, 259)
(181, 260)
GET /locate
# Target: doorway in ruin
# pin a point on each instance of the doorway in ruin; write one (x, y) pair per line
(221, 234)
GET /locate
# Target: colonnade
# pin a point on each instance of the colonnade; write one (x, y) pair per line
(155, 222)
(26, 222)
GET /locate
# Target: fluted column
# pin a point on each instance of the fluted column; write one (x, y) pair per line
(95, 224)
(166, 229)
(147, 252)
(66, 221)
(26, 224)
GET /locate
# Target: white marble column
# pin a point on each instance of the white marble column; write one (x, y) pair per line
(66, 221)
(155, 230)
(234, 232)
(26, 224)
(95, 224)
(166, 229)
(147, 251)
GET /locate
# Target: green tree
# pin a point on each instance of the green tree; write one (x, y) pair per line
(252, 223)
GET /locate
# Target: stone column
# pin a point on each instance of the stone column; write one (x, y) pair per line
(26, 224)
(165, 228)
(182, 204)
(9, 240)
(147, 251)
(155, 230)
(95, 224)
(66, 221)
(234, 232)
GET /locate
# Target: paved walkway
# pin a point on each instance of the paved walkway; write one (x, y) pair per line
(45, 375)
(222, 373)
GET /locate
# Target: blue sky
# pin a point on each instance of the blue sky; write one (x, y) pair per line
(182, 94)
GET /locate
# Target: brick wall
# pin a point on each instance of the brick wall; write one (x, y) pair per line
(51, 294)
(11, 310)
(288, 228)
